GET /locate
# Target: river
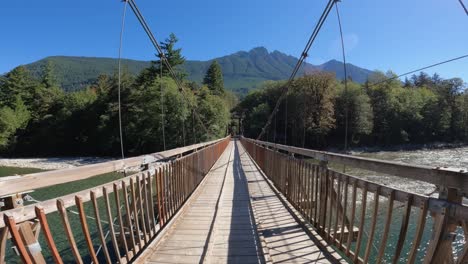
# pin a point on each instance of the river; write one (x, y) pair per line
(454, 158)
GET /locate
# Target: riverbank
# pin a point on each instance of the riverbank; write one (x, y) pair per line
(53, 163)
(405, 147)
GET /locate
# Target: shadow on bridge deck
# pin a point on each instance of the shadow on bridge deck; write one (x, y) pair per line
(225, 220)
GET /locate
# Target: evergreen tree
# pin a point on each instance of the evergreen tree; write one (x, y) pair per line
(173, 56)
(12, 119)
(48, 77)
(17, 82)
(214, 79)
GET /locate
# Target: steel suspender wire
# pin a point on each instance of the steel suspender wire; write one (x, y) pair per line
(298, 65)
(153, 40)
(162, 105)
(346, 106)
(119, 80)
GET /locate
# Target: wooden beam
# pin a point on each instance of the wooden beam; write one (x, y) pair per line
(49, 178)
(437, 176)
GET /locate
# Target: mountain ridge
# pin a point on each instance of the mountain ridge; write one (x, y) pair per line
(242, 70)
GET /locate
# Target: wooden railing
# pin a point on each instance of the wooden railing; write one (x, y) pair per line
(125, 214)
(43, 179)
(365, 221)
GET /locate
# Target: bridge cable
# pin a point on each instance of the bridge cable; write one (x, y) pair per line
(162, 104)
(298, 65)
(418, 70)
(345, 79)
(286, 119)
(119, 79)
(274, 132)
(464, 7)
(153, 40)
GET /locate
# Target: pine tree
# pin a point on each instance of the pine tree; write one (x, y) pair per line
(48, 77)
(173, 56)
(17, 83)
(214, 79)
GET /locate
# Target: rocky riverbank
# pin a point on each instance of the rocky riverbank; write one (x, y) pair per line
(51, 163)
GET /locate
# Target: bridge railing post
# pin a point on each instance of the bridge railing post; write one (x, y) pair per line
(324, 185)
(444, 229)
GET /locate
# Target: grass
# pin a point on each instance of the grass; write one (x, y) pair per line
(11, 171)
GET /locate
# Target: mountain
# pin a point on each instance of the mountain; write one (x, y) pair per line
(242, 70)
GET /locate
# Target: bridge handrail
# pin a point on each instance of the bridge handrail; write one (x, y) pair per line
(39, 180)
(145, 202)
(360, 217)
(438, 176)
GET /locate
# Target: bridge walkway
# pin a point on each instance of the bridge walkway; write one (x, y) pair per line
(234, 217)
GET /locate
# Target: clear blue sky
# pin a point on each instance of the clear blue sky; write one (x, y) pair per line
(400, 35)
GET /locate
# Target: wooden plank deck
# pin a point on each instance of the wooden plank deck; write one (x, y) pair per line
(234, 217)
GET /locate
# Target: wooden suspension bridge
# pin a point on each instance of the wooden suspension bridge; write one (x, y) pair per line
(237, 201)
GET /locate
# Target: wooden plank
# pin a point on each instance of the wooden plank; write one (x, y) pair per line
(150, 185)
(3, 240)
(159, 197)
(68, 231)
(17, 240)
(316, 195)
(331, 193)
(337, 207)
(111, 226)
(145, 200)
(353, 212)
(43, 179)
(437, 176)
(370, 239)
(31, 243)
(128, 215)
(439, 222)
(97, 216)
(361, 223)
(403, 229)
(344, 215)
(48, 235)
(419, 232)
(138, 202)
(85, 229)
(388, 220)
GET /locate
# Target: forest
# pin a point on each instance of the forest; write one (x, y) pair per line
(37, 118)
(383, 111)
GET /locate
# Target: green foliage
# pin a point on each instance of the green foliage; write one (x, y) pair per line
(11, 120)
(213, 114)
(17, 83)
(356, 103)
(48, 77)
(214, 79)
(37, 118)
(420, 110)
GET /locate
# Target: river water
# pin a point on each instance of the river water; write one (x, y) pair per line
(454, 158)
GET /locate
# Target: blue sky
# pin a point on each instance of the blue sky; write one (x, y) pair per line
(400, 35)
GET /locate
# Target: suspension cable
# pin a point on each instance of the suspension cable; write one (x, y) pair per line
(286, 119)
(418, 70)
(161, 54)
(119, 79)
(464, 7)
(162, 104)
(298, 65)
(345, 79)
